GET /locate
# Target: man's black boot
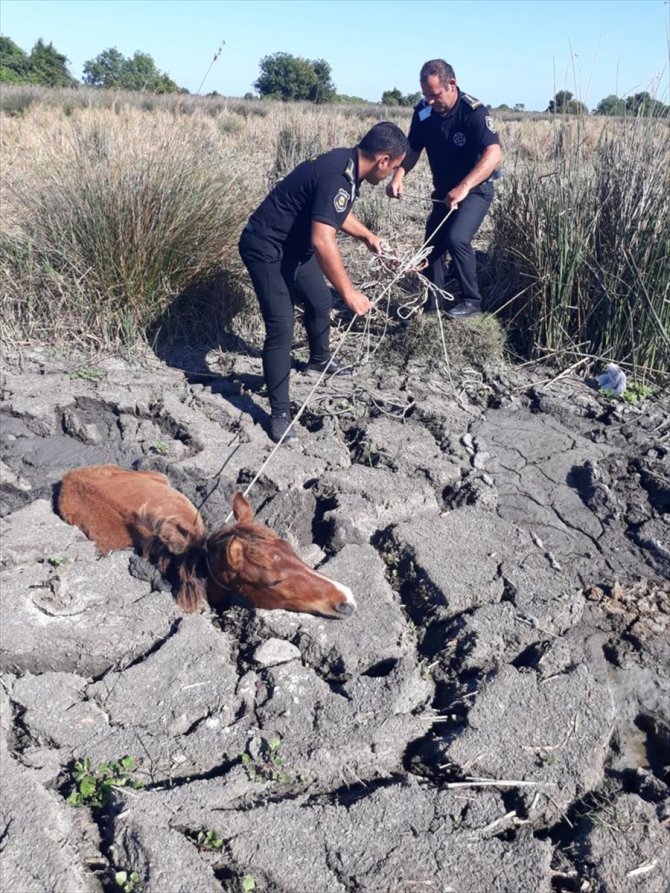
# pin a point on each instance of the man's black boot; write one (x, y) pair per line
(279, 424)
(465, 309)
(331, 367)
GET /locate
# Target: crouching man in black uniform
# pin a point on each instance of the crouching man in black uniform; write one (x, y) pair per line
(289, 244)
(464, 154)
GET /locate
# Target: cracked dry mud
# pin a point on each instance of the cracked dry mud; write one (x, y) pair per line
(493, 718)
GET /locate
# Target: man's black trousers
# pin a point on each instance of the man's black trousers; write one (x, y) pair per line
(455, 237)
(280, 281)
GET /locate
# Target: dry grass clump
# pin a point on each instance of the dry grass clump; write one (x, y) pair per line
(119, 217)
(479, 342)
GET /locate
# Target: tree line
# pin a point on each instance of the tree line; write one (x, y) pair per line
(638, 104)
(45, 66)
(282, 76)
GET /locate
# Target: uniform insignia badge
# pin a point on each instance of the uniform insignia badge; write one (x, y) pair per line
(459, 139)
(490, 124)
(425, 113)
(341, 201)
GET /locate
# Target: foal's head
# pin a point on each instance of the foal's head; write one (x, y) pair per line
(252, 560)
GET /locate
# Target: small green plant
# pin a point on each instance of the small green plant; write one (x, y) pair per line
(160, 448)
(93, 787)
(268, 766)
(391, 559)
(89, 373)
(208, 840)
(411, 633)
(248, 883)
(636, 392)
(56, 560)
(547, 759)
(370, 454)
(128, 883)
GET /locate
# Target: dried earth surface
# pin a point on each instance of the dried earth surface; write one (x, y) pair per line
(493, 718)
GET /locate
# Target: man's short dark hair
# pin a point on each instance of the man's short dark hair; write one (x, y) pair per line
(438, 68)
(384, 138)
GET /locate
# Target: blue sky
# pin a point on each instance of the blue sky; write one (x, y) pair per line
(520, 51)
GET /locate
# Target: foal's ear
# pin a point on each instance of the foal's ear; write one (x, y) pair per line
(235, 553)
(241, 508)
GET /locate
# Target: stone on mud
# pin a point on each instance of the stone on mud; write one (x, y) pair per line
(276, 651)
(36, 534)
(338, 734)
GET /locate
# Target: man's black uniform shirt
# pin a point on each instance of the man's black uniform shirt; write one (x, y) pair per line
(323, 189)
(454, 142)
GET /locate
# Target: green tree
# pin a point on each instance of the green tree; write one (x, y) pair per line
(44, 66)
(611, 105)
(395, 97)
(324, 89)
(288, 77)
(14, 62)
(560, 101)
(391, 97)
(645, 104)
(49, 67)
(140, 73)
(563, 103)
(105, 69)
(348, 98)
(110, 69)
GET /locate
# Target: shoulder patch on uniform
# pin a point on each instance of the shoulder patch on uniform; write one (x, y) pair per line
(425, 113)
(470, 101)
(489, 123)
(341, 201)
(349, 171)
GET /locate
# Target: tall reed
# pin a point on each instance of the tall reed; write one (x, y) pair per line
(580, 251)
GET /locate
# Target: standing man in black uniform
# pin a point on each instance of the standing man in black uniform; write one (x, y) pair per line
(464, 154)
(289, 244)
